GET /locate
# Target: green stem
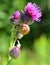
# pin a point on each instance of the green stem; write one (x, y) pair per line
(10, 61)
(11, 44)
(12, 37)
(12, 41)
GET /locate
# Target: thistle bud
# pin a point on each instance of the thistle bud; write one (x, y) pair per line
(26, 19)
(24, 29)
(15, 17)
(15, 52)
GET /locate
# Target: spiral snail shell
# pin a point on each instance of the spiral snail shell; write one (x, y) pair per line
(24, 29)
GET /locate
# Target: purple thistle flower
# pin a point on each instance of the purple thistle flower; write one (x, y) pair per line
(33, 11)
(15, 17)
(15, 52)
(26, 19)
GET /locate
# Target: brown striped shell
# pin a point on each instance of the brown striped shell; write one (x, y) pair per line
(24, 29)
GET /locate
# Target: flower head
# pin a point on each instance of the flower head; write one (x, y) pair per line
(33, 11)
(15, 52)
(26, 19)
(15, 17)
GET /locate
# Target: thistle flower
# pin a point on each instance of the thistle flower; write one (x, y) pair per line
(26, 19)
(15, 52)
(33, 11)
(15, 17)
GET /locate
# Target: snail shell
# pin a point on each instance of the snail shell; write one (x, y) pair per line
(24, 29)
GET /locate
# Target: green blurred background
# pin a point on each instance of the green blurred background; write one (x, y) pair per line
(35, 49)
